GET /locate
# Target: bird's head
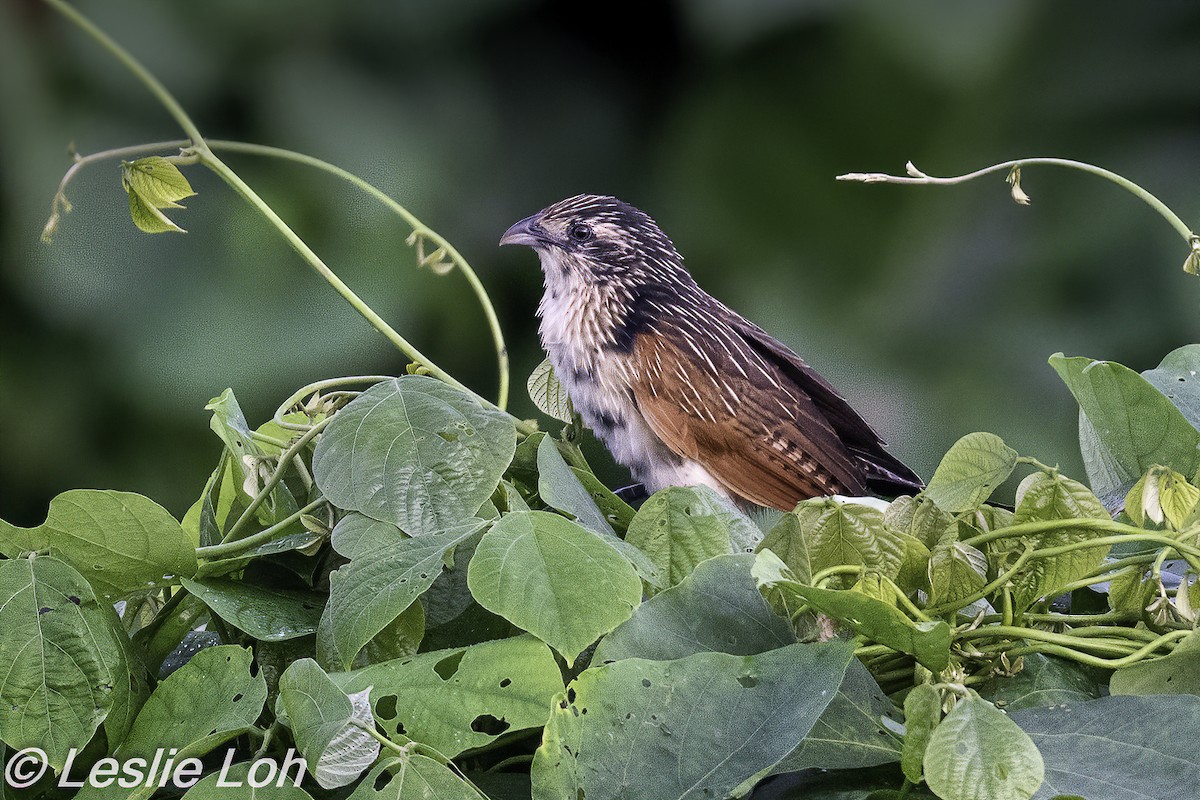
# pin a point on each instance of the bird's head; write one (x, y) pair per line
(597, 239)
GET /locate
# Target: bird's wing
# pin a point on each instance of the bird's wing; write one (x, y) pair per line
(711, 398)
(882, 471)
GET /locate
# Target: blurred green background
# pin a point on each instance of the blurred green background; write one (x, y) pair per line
(933, 309)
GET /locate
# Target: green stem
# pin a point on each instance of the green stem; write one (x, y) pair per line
(839, 569)
(1016, 632)
(1094, 661)
(417, 227)
(226, 549)
(920, 179)
(1077, 619)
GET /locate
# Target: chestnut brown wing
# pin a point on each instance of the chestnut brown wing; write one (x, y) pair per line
(712, 399)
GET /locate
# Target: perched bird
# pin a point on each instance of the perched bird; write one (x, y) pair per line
(680, 388)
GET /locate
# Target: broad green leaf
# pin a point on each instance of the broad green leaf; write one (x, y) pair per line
(1133, 422)
(928, 642)
(414, 452)
(209, 788)
(1051, 497)
(697, 727)
(1129, 591)
(547, 575)
(837, 533)
(787, 541)
(1176, 673)
(1117, 748)
(560, 489)
(956, 572)
(267, 614)
(1178, 378)
(121, 542)
(849, 733)
(208, 701)
(157, 181)
(717, 608)
(413, 777)
(65, 664)
(919, 517)
(679, 527)
(386, 574)
(618, 513)
(978, 753)
(970, 471)
(1044, 680)
(922, 713)
(547, 393)
(459, 699)
(322, 718)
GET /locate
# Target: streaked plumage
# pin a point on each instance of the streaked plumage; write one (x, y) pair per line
(682, 389)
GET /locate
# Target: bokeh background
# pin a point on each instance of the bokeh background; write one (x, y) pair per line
(933, 309)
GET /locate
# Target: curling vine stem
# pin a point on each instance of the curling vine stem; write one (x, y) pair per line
(1131, 187)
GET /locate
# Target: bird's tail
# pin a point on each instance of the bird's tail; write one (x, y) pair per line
(886, 475)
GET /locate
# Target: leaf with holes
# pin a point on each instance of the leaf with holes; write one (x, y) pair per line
(970, 471)
(386, 574)
(65, 663)
(325, 722)
(414, 452)
(119, 541)
(413, 777)
(548, 394)
(459, 699)
(211, 787)
(692, 728)
(1178, 378)
(977, 753)
(548, 576)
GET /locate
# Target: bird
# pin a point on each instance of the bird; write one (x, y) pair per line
(680, 388)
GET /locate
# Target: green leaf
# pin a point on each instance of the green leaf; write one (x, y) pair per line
(922, 713)
(121, 542)
(1044, 680)
(65, 664)
(696, 727)
(928, 642)
(618, 513)
(1177, 378)
(157, 181)
(919, 517)
(1050, 497)
(717, 608)
(548, 394)
(322, 718)
(978, 753)
(413, 777)
(414, 452)
(443, 698)
(149, 219)
(956, 572)
(560, 489)
(849, 733)
(267, 614)
(1176, 673)
(1162, 494)
(837, 533)
(1117, 748)
(679, 527)
(970, 471)
(1129, 591)
(547, 575)
(386, 574)
(209, 787)
(206, 702)
(1134, 425)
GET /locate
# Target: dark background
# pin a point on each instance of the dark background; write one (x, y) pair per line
(934, 309)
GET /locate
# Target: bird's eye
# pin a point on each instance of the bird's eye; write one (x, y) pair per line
(580, 232)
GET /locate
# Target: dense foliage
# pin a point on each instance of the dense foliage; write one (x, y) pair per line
(428, 597)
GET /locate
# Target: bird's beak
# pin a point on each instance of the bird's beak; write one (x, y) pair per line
(527, 231)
